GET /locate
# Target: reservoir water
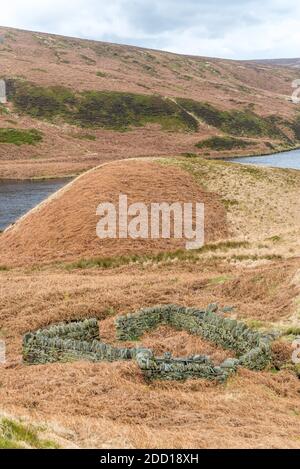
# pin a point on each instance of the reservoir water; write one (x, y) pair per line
(18, 197)
(288, 159)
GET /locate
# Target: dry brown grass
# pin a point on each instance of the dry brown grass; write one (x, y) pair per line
(262, 203)
(65, 227)
(33, 300)
(110, 405)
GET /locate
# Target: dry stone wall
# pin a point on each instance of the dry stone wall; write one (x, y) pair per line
(169, 368)
(81, 341)
(252, 348)
(70, 342)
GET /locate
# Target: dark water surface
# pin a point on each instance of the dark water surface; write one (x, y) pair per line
(17, 197)
(288, 159)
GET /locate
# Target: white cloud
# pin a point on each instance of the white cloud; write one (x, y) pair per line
(232, 29)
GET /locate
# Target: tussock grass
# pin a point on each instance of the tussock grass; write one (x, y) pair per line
(294, 331)
(261, 203)
(180, 255)
(16, 435)
(256, 257)
(275, 239)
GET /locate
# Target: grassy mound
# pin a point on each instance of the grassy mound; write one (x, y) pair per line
(224, 143)
(65, 225)
(20, 137)
(250, 194)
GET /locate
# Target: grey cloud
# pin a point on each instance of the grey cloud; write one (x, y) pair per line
(233, 28)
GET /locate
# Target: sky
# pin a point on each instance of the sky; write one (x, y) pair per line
(236, 29)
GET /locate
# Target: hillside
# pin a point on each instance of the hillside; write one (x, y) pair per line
(290, 63)
(150, 125)
(90, 102)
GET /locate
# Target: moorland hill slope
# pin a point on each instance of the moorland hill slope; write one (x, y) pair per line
(90, 102)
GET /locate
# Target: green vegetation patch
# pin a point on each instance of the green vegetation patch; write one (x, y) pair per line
(224, 143)
(235, 122)
(84, 136)
(101, 74)
(16, 435)
(112, 110)
(122, 110)
(3, 110)
(162, 257)
(20, 137)
(296, 127)
(293, 331)
(42, 70)
(41, 102)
